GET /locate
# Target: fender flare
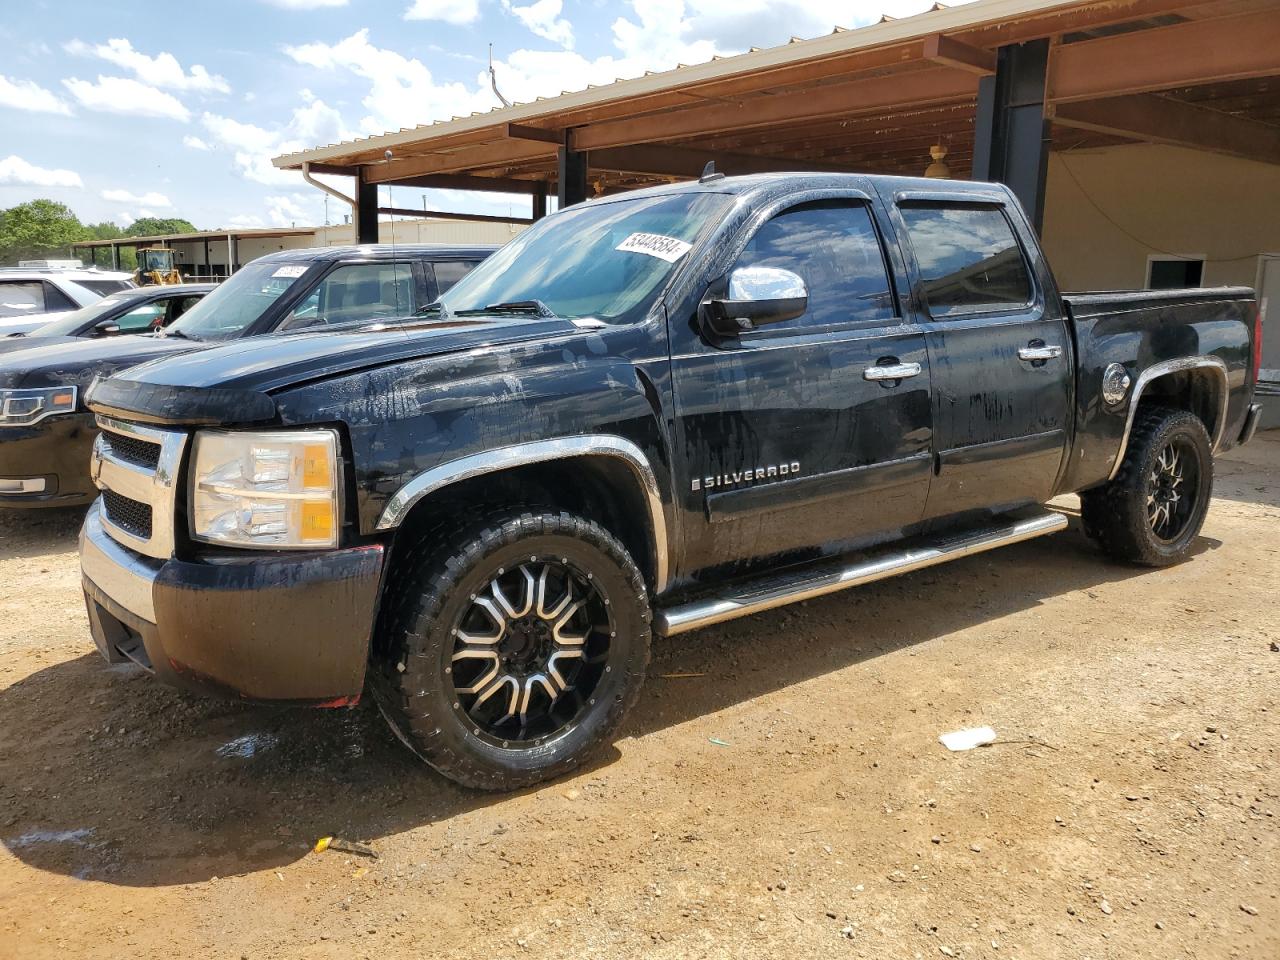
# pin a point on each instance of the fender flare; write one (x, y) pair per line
(1164, 369)
(542, 451)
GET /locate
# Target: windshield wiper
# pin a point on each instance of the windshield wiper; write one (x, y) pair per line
(532, 307)
(180, 334)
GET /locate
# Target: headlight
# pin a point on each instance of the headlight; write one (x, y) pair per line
(276, 490)
(18, 408)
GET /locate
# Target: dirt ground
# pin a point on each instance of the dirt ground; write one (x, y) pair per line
(779, 792)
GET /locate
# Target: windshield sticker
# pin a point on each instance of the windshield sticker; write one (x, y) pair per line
(295, 271)
(655, 245)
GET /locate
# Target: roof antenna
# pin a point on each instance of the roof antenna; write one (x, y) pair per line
(493, 80)
(709, 173)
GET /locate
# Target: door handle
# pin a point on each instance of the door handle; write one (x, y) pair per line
(1040, 353)
(893, 371)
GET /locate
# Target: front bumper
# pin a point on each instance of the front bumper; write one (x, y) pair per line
(54, 453)
(280, 628)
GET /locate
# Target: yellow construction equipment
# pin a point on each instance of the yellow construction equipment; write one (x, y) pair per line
(155, 267)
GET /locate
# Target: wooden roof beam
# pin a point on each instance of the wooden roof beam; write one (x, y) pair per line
(1161, 120)
(453, 181)
(910, 88)
(1185, 54)
(950, 52)
(657, 159)
(502, 153)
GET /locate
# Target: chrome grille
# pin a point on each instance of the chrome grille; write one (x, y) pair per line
(136, 467)
(128, 514)
(135, 450)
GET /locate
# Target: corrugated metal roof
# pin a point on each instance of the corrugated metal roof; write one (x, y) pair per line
(940, 19)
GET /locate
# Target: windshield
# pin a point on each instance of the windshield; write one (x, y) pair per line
(69, 325)
(230, 309)
(600, 261)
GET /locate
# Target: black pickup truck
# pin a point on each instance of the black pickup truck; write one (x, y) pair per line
(648, 413)
(46, 433)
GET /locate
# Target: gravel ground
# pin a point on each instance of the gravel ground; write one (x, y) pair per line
(779, 792)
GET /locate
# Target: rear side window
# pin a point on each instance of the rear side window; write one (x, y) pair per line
(449, 272)
(834, 247)
(55, 299)
(21, 298)
(968, 256)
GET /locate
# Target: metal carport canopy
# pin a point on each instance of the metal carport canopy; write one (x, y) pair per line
(872, 99)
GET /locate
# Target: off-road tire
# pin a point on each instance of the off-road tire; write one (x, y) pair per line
(1116, 516)
(426, 596)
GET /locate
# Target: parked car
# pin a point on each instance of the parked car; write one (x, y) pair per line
(45, 431)
(30, 297)
(137, 310)
(651, 412)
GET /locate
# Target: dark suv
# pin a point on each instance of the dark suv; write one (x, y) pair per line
(45, 432)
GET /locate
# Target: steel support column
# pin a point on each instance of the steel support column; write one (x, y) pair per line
(540, 201)
(1011, 133)
(571, 170)
(366, 212)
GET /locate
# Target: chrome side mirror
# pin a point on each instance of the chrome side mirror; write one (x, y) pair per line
(757, 296)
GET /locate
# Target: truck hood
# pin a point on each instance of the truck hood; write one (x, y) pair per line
(73, 361)
(232, 383)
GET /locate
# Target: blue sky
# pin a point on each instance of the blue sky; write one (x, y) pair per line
(122, 110)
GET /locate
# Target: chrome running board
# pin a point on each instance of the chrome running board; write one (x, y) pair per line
(806, 583)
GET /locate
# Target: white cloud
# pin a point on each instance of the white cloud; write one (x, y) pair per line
(15, 170)
(29, 95)
(305, 4)
(123, 95)
(147, 199)
(252, 147)
(162, 70)
(288, 211)
(402, 91)
(543, 19)
(245, 221)
(195, 143)
(457, 12)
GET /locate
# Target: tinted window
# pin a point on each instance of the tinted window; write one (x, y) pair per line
(968, 257)
(834, 248)
(356, 292)
(141, 319)
(449, 272)
(21, 298)
(106, 286)
(55, 299)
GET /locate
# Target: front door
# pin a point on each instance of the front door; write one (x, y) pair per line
(1000, 353)
(812, 432)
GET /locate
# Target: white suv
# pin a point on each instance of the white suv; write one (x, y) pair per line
(32, 297)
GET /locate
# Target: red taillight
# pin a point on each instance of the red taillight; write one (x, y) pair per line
(1257, 343)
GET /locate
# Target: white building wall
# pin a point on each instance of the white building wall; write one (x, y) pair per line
(1157, 200)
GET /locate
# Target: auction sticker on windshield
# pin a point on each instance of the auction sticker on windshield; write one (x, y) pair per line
(655, 245)
(291, 271)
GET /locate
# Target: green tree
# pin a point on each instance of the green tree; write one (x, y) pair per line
(38, 229)
(154, 226)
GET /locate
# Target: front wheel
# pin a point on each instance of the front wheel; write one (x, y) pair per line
(1152, 511)
(513, 649)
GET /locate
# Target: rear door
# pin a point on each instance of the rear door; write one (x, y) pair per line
(999, 350)
(790, 437)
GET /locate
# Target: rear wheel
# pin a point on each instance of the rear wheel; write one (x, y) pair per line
(1152, 511)
(514, 649)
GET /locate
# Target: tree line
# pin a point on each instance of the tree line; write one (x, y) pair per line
(44, 229)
